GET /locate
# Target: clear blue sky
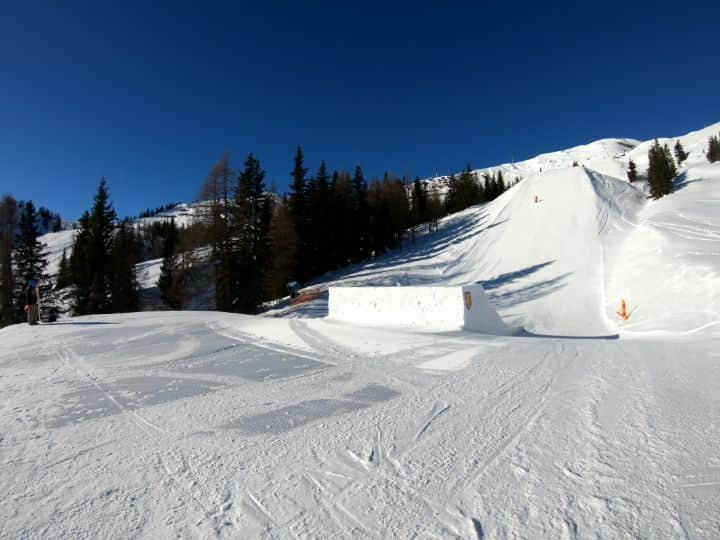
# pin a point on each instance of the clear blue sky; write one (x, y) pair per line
(150, 94)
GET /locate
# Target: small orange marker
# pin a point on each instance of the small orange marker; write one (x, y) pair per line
(623, 311)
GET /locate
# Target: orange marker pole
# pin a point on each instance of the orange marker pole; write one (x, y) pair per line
(623, 311)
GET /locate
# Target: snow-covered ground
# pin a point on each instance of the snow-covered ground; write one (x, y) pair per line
(292, 425)
(204, 424)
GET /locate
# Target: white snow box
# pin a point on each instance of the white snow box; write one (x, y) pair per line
(464, 307)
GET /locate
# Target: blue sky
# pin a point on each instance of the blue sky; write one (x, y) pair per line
(149, 94)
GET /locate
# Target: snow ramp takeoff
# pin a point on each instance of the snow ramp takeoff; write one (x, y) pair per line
(430, 307)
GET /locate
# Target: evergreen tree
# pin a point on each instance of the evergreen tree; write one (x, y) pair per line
(632, 171)
(168, 281)
(298, 204)
(419, 202)
(500, 183)
(80, 268)
(64, 278)
(361, 217)
(318, 221)
(29, 257)
(661, 170)
(8, 213)
(680, 154)
(102, 227)
(341, 206)
(713, 153)
(124, 255)
(90, 261)
(254, 212)
(453, 202)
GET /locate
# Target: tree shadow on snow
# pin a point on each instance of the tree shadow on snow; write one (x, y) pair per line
(682, 182)
(525, 333)
(509, 277)
(80, 323)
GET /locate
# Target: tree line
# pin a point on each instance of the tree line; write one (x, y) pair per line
(247, 244)
(251, 241)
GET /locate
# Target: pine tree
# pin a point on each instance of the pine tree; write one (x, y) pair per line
(453, 198)
(63, 279)
(713, 153)
(632, 171)
(419, 202)
(254, 211)
(8, 213)
(90, 261)
(680, 153)
(124, 255)
(661, 170)
(318, 221)
(29, 257)
(500, 183)
(168, 280)
(80, 267)
(102, 227)
(361, 218)
(298, 207)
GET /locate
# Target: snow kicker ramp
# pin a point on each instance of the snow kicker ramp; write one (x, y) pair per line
(430, 307)
(541, 264)
(542, 257)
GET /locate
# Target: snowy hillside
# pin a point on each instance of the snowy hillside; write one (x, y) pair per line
(293, 425)
(148, 271)
(608, 156)
(562, 265)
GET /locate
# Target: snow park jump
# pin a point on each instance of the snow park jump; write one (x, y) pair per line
(465, 307)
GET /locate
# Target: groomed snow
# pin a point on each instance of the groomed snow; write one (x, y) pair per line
(200, 425)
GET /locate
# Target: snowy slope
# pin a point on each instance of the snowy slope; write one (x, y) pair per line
(198, 425)
(562, 265)
(148, 271)
(608, 156)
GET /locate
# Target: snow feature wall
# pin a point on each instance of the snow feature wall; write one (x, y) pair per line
(433, 307)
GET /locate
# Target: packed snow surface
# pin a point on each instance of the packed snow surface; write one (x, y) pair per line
(292, 425)
(200, 424)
